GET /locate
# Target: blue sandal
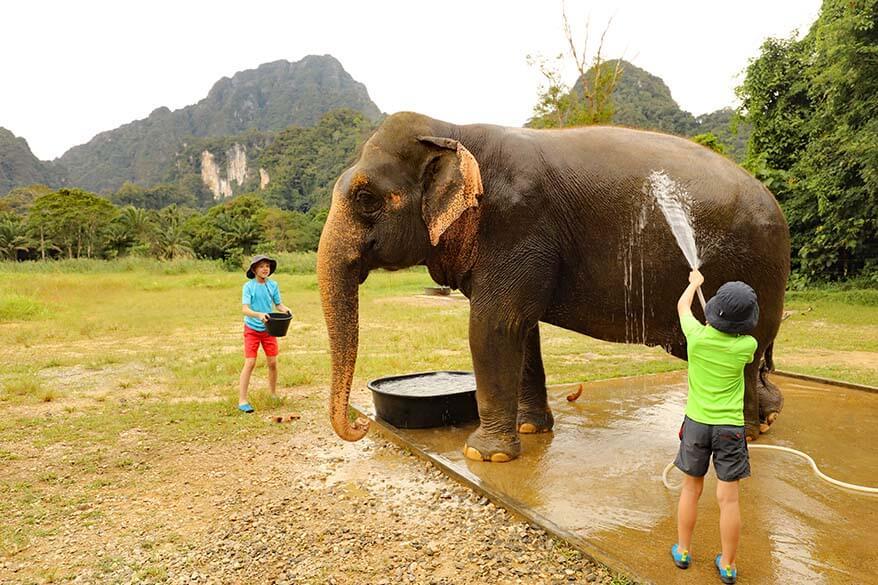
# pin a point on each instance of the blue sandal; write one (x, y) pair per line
(245, 407)
(728, 575)
(681, 557)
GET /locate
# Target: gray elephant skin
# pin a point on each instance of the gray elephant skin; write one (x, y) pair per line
(554, 226)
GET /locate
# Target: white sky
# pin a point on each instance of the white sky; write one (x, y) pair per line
(73, 69)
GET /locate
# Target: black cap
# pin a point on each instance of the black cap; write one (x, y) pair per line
(733, 309)
(256, 260)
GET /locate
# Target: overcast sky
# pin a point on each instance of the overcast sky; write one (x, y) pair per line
(73, 69)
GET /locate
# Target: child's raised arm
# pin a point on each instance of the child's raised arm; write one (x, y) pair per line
(684, 305)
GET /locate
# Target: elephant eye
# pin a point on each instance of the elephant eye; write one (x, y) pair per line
(369, 202)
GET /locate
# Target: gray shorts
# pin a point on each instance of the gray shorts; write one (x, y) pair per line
(727, 443)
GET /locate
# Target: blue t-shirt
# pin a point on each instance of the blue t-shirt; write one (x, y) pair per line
(261, 298)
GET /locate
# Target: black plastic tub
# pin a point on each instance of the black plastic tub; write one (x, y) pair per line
(425, 399)
(278, 324)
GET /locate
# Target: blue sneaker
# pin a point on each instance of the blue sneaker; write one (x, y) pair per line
(245, 407)
(681, 557)
(727, 574)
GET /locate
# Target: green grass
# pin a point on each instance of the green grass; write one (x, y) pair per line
(16, 307)
(137, 345)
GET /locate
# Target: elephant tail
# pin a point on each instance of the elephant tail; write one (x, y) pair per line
(768, 359)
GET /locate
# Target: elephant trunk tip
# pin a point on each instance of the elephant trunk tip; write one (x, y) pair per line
(350, 431)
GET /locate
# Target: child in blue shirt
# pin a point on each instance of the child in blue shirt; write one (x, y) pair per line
(259, 297)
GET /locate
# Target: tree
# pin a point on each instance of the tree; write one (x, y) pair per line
(13, 236)
(813, 106)
(290, 231)
(130, 194)
(71, 220)
(304, 163)
(171, 239)
(20, 199)
(709, 140)
(590, 100)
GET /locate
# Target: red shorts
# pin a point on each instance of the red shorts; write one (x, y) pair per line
(253, 338)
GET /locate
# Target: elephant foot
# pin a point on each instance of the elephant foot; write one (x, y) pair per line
(530, 422)
(482, 447)
(765, 425)
(751, 431)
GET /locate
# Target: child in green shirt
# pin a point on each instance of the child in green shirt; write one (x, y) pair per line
(714, 421)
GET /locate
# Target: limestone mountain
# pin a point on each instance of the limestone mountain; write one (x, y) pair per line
(269, 98)
(19, 166)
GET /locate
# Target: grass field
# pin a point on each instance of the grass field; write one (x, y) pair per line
(107, 365)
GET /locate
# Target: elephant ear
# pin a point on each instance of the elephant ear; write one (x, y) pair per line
(452, 184)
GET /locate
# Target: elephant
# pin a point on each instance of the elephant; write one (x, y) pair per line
(557, 226)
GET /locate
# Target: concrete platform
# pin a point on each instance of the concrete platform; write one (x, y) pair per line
(596, 482)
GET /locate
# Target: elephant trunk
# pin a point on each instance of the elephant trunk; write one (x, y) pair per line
(338, 276)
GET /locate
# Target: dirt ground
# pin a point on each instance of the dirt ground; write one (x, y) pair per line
(295, 507)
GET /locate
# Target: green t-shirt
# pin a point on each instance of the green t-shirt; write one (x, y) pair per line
(716, 373)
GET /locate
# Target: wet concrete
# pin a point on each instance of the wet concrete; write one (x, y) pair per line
(596, 480)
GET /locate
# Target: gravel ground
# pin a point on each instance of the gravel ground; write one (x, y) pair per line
(302, 507)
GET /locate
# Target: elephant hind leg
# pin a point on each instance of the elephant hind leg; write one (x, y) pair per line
(534, 414)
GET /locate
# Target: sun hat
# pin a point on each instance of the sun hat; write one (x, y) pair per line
(733, 309)
(272, 265)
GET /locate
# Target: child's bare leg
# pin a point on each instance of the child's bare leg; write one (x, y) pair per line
(272, 374)
(244, 382)
(687, 509)
(729, 520)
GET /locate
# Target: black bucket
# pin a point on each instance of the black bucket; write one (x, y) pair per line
(278, 324)
(426, 399)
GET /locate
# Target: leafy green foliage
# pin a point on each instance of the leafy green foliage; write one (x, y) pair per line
(20, 199)
(813, 106)
(13, 236)
(72, 221)
(171, 238)
(304, 163)
(588, 102)
(709, 140)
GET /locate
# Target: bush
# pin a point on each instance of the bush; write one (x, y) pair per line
(20, 308)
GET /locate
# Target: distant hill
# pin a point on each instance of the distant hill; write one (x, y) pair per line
(19, 166)
(643, 100)
(269, 98)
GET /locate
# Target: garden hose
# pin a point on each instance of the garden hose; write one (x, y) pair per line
(806, 457)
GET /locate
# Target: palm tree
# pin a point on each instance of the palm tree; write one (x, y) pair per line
(240, 232)
(171, 240)
(13, 237)
(137, 221)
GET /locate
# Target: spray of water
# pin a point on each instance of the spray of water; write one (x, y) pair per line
(673, 200)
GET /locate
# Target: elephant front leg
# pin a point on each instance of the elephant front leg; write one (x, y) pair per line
(497, 351)
(534, 414)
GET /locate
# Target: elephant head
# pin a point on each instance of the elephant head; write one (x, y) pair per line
(389, 210)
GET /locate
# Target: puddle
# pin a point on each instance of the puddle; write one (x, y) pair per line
(598, 477)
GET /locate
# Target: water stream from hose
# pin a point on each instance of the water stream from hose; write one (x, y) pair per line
(674, 203)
